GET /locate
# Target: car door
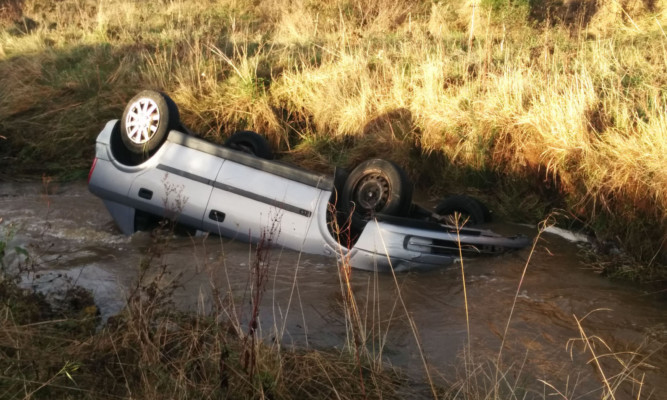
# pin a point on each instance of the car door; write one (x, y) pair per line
(178, 187)
(248, 202)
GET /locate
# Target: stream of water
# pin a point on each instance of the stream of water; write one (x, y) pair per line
(72, 239)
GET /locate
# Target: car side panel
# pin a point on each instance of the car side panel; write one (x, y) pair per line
(247, 203)
(109, 183)
(178, 187)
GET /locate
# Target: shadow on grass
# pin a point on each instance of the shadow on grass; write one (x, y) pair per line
(53, 103)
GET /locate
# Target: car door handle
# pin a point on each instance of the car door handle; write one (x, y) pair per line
(216, 215)
(145, 193)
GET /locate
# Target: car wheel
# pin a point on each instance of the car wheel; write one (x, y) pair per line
(469, 210)
(250, 142)
(376, 187)
(147, 120)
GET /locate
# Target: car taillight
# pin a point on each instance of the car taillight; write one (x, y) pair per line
(92, 168)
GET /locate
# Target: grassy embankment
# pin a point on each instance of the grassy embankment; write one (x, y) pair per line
(531, 108)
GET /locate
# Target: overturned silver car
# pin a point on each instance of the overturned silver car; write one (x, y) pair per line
(147, 166)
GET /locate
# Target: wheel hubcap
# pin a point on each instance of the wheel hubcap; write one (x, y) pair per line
(372, 193)
(142, 121)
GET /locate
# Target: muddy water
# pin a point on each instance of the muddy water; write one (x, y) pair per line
(71, 239)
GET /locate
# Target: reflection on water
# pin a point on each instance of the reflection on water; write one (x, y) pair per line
(72, 239)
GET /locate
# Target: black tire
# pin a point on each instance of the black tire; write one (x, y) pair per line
(147, 120)
(250, 142)
(376, 187)
(488, 215)
(470, 210)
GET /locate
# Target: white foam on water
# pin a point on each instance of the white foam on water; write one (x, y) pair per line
(574, 237)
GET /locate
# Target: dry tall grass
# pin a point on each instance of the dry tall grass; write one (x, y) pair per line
(569, 98)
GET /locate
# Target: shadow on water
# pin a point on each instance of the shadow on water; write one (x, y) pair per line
(73, 236)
